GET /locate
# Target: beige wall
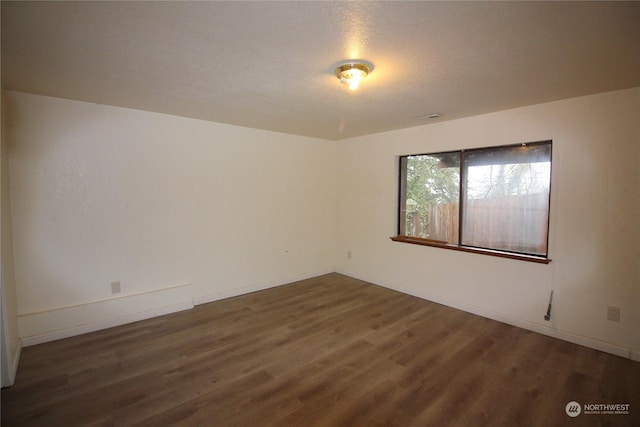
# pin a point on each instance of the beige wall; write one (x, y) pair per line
(594, 240)
(183, 209)
(103, 194)
(11, 344)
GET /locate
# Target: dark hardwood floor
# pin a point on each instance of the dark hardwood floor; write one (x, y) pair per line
(328, 351)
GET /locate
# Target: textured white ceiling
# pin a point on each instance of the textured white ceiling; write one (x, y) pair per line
(269, 65)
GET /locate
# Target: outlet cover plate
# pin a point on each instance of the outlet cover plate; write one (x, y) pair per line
(613, 314)
(115, 287)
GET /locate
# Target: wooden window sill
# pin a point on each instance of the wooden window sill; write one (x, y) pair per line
(445, 245)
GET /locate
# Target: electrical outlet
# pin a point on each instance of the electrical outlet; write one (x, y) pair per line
(115, 287)
(613, 314)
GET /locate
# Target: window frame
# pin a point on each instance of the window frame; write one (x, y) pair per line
(462, 192)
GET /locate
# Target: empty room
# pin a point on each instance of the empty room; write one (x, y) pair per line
(320, 213)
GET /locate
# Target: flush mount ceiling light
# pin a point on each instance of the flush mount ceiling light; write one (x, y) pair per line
(352, 73)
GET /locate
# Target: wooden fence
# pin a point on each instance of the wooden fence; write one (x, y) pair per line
(511, 223)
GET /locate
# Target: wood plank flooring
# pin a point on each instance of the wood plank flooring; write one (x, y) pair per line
(328, 351)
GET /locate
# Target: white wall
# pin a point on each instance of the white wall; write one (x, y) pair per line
(11, 344)
(180, 210)
(157, 202)
(595, 233)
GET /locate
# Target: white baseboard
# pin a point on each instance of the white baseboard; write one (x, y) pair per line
(524, 324)
(204, 299)
(64, 322)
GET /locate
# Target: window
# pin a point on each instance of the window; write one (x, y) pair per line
(489, 200)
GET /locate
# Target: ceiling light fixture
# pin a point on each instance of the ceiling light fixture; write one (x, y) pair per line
(352, 73)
